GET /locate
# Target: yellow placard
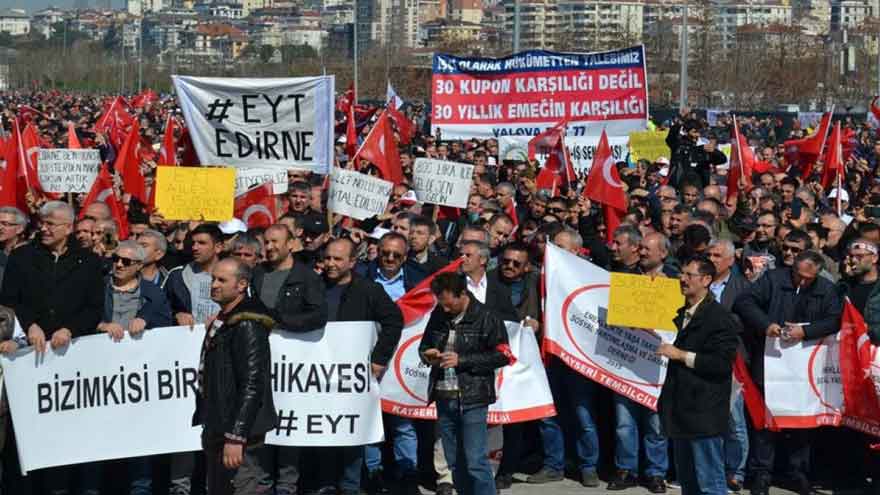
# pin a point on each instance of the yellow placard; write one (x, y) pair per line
(641, 302)
(648, 145)
(195, 193)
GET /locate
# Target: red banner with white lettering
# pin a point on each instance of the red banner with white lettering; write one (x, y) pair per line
(528, 92)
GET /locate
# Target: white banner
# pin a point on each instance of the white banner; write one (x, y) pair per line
(272, 122)
(357, 195)
(249, 178)
(620, 358)
(580, 148)
(68, 170)
(802, 382)
(89, 394)
(522, 391)
(441, 182)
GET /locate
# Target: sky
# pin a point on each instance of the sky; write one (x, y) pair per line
(34, 5)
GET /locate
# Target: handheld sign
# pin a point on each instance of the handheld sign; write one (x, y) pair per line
(68, 170)
(357, 195)
(195, 193)
(640, 302)
(648, 145)
(249, 178)
(441, 182)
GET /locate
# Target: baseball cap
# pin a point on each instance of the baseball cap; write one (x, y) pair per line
(314, 224)
(844, 196)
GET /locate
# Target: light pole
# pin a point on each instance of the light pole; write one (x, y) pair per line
(683, 75)
(356, 43)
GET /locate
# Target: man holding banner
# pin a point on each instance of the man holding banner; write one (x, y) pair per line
(234, 404)
(694, 404)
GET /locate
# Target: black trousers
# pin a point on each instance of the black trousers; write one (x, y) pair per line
(221, 481)
(762, 452)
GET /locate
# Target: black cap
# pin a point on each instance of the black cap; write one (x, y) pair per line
(314, 224)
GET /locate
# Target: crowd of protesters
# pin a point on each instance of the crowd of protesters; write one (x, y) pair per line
(775, 260)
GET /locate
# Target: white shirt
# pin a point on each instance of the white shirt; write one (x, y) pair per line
(478, 289)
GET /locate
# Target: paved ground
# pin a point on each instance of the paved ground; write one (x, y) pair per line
(570, 487)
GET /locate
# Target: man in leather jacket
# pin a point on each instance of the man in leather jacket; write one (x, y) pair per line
(234, 404)
(464, 343)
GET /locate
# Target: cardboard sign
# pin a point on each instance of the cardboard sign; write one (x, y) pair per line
(648, 145)
(68, 170)
(195, 193)
(641, 302)
(441, 182)
(249, 178)
(357, 195)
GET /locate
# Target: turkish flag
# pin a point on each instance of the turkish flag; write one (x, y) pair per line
(256, 207)
(857, 360)
(380, 149)
(13, 187)
(420, 300)
(875, 110)
(804, 152)
(141, 100)
(557, 168)
(833, 159)
(350, 133)
(115, 117)
(72, 139)
(405, 127)
(604, 186)
(346, 100)
(188, 155)
(168, 151)
(128, 165)
(102, 190)
(742, 162)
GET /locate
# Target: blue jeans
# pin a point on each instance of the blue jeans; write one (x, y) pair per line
(465, 435)
(736, 442)
(699, 463)
(406, 447)
(635, 422)
(581, 393)
(330, 459)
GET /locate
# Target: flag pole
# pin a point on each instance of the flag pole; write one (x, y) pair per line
(358, 152)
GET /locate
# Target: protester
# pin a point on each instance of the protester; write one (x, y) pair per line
(474, 345)
(234, 405)
(189, 286)
(694, 404)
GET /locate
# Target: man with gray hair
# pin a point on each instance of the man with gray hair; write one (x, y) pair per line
(13, 224)
(248, 249)
(653, 253)
(56, 290)
(155, 246)
(625, 249)
(132, 305)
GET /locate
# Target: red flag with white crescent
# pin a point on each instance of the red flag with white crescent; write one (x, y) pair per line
(256, 207)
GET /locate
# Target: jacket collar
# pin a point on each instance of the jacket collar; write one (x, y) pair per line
(699, 313)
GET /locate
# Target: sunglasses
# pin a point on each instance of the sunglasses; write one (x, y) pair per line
(393, 255)
(512, 262)
(555, 210)
(793, 249)
(125, 261)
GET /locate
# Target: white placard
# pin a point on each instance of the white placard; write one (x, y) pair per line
(64, 170)
(77, 405)
(357, 195)
(248, 122)
(441, 182)
(249, 178)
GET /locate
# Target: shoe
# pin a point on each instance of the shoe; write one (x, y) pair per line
(622, 480)
(409, 485)
(761, 486)
(503, 481)
(733, 485)
(655, 484)
(545, 475)
(589, 478)
(376, 484)
(444, 489)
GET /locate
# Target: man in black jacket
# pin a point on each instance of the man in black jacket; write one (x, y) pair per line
(464, 343)
(351, 297)
(234, 404)
(694, 404)
(778, 306)
(56, 289)
(689, 158)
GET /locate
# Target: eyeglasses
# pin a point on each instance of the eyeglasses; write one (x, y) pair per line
(8, 224)
(556, 210)
(53, 225)
(512, 262)
(392, 255)
(125, 261)
(690, 275)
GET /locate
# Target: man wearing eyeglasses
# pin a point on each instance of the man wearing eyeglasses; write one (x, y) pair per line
(13, 224)
(56, 290)
(132, 305)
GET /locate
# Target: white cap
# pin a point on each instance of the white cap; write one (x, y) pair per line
(378, 232)
(233, 226)
(662, 160)
(844, 196)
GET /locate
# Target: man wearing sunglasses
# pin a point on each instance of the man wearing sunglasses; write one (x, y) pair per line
(132, 305)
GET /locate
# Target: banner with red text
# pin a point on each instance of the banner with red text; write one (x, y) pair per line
(802, 382)
(620, 358)
(521, 388)
(525, 93)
